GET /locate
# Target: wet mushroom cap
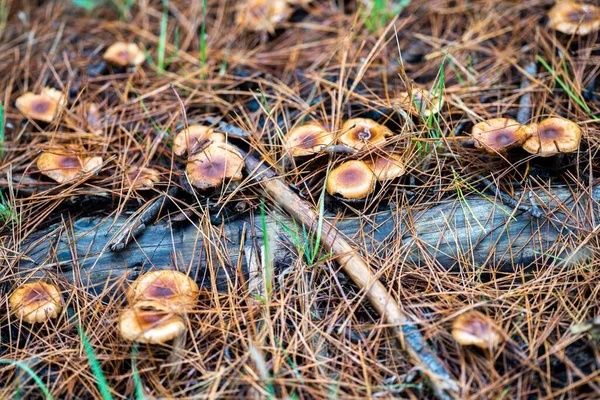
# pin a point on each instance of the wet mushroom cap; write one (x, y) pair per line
(263, 15)
(150, 325)
(213, 165)
(477, 329)
(36, 302)
(172, 289)
(421, 102)
(362, 133)
(194, 138)
(124, 54)
(40, 107)
(552, 136)
(387, 167)
(64, 166)
(351, 180)
(142, 178)
(572, 17)
(307, 139)
(497, 135)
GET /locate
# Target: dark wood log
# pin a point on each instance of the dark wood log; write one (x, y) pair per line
(480, 230)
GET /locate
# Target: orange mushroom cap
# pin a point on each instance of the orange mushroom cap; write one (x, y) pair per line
(421, 102)
(124, 54)
(263, 15)
(173, 289)
(41, 107)
(66, 164)
(362, 133)
(142, 178)
(574, 18)
(194, 138)
(351, 180)
(497, 135)
(215, 164)
(552, 136)
(477, 329)
(36, 302)
(154, 326)
(307, 139)
(387, 167)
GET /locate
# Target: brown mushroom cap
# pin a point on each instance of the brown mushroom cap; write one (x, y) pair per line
(362, 133)
(475, 328)
(307, 139)
(152, 325)
(142, 178)
(67, 164)
(497, 135)
(572, 17)
(215, 164)
(387, 167)
(421, 102)
(36, 302)
(124, 54)
(41, 107)
(351, 180)
(194, 138)
(173, 289)
(552, 136)
(263, 15)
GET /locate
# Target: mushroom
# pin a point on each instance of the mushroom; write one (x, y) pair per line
(194, 138)
(172, 289)
(352, 180)
(41, 107)
(36, 302)
(307, 139)
(497, 135)
(574, 18)
(124, 54)
(362, 133)
(387, 167)
(421, 102)
(142, 178)
(215, 164)
(475, 328)
(66, 163)
(551, 136)
(263, 15)
(147, 324)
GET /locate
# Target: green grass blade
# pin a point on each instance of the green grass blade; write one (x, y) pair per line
(139, 389)
(162, 39)
(267, 265)
(38, 381)
(203, 54)
(95, 365)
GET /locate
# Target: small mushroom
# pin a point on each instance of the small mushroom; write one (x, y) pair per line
(41, 107)
(477, 329)
(551, 136)
(67, 163)
(150, 325)
(194, 138)
(214, 165)
(263, 15)
(36, 302)
(142, 178)
(124, 54)
(362, 133)
(307, 139)
(574, 18)
(387, 167)
(497, 135)
(421, 102)
(351, 180)
(173, 289)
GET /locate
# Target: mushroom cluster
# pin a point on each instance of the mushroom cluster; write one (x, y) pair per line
(36, 302)
(353, 179)
(211, 161)
(549, 137)
(158, 301)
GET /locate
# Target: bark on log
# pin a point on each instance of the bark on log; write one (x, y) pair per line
(480, 230)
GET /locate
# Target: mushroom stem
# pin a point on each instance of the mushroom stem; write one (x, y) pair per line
(355, 266)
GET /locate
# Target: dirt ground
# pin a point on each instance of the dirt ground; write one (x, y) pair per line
(312, 335)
